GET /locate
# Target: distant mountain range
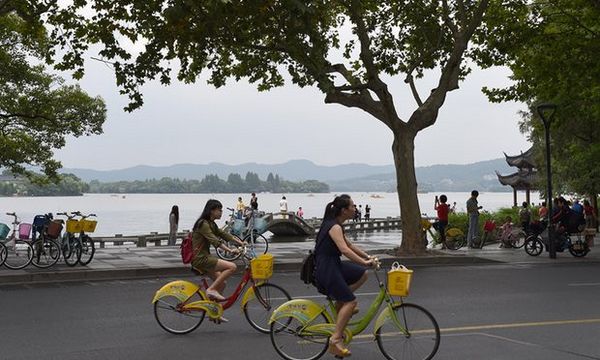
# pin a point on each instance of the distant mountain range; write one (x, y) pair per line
(347, 177)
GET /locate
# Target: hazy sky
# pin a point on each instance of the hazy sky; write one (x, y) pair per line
(237, 124)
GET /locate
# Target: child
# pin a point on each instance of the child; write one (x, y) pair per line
(506, 233)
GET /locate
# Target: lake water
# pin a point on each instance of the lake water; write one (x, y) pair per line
(135, 214)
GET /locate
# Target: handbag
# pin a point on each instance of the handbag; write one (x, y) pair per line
(307, 271)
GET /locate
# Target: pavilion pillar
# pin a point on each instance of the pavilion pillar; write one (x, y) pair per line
(527, 197)
(514, 197)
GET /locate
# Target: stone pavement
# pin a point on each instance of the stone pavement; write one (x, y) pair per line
(128, 262)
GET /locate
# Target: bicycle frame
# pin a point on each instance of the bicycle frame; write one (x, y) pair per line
(306, 311)
(184, 290)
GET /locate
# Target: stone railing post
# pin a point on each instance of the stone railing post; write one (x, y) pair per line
(141, 242)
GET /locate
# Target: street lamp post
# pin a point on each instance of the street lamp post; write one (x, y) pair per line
(546, 112)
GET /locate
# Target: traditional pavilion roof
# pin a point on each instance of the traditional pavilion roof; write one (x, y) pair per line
(521, 180)
(523, 161)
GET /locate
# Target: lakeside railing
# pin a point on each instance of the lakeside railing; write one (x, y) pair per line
(161, 239)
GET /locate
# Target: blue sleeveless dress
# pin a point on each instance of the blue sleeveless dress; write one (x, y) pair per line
(333, 276)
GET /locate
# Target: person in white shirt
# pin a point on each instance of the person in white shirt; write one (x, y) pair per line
(283, 207)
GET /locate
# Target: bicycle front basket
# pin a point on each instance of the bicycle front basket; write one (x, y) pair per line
(399, 280)
(73, 226)
(24, 231)
(4, 230)
(238, 227)
(260, 225)
(39, 221)
(54, 229)
(89, 225)
(262, 266)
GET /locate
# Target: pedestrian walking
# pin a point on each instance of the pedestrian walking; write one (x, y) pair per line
(173, 224)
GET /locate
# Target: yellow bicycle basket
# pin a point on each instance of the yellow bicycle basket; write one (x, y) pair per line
(89, 225)
(262, 266)
(73, 226)
(399, 280)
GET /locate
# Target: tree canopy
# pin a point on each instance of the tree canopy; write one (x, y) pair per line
(345, 48)
(553, 48)
(38, 111)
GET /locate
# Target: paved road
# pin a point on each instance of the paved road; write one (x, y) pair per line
(506, 311)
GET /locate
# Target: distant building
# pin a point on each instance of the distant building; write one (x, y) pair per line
(525, 177)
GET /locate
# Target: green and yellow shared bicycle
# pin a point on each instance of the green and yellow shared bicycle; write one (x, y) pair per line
(300, 329)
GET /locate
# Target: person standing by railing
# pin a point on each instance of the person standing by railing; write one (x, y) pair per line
(254, 202)
(283, 207)
(173, 224)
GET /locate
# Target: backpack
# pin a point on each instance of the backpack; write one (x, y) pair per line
(187, 252)
(307, 271)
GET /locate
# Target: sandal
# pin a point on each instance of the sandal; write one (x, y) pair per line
(214, 295)
(337, 351)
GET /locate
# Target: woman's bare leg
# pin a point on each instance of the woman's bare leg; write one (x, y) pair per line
(223, 270)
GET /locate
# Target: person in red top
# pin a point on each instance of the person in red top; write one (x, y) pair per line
(442, 213)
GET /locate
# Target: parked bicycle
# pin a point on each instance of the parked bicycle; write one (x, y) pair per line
(455, 237)
(250, 233)
(494, 235)
(300, 328)
(17, 252)
(46, 251)
(181, 306)
(77, 246)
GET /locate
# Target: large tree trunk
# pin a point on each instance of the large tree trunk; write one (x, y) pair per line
(404, 159)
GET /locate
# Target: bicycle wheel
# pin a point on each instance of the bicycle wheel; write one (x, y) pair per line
(293, 342)
(71, 251)
(46, 253)
(534, 246)
(258, 310)
(455, 239)
(87, 250)
(413, 335)
(579, 248)
(3, 252)
(257, 243)
(19, 254)
(174, 318)
(518, 241)
(226, 255)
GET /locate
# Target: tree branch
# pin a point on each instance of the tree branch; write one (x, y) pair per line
(411, 82)
(374, 82)
(447, 19)
(342, 70)
(362, 101)
(26, 116)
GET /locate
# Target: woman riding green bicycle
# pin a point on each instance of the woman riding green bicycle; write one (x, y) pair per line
(336, 279)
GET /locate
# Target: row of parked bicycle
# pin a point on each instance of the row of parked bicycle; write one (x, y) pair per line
(534, 239)
(42, 242)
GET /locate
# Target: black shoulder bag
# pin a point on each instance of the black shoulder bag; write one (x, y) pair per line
(309, 265)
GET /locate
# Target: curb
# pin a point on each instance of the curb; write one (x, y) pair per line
(283, 265)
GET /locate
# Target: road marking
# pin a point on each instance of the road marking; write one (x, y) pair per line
(498, 326)
(517, 325)
(584, 284)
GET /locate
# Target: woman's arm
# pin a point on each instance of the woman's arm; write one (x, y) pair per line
(359, 257)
